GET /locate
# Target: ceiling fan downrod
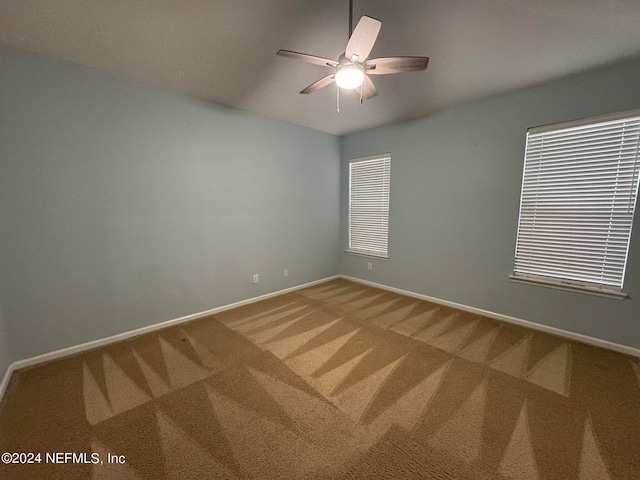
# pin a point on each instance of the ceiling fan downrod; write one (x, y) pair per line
(350, 18)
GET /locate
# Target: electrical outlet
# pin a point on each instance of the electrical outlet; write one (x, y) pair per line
(369, 266)
(286, 273)
(255, 278)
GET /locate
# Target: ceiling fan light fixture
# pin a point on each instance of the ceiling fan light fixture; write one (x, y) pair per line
(349, 76)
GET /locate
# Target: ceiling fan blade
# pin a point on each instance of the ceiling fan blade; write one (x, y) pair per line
(396, 65)
(323, 82)
(369, 90)
(325, 62)
(363, 38)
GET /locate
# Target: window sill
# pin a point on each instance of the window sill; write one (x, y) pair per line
(364, 254)
(571, 288)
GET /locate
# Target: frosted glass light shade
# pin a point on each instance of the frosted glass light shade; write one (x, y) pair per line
(349, 77)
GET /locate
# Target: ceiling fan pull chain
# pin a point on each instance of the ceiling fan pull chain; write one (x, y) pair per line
(337, 100)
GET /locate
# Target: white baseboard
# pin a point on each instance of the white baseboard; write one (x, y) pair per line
(65, 352)
(505, 318)
(5, 380)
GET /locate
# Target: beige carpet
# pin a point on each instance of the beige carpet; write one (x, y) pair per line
(335, 381)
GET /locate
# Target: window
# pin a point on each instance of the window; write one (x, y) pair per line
(579, 192)
(369, 180)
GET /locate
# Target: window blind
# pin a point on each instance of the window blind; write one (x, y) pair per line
(579, 191)
(369, 182)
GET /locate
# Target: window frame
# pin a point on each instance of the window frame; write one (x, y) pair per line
(564, 283)
(385, 158)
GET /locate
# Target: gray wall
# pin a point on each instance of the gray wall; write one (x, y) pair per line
(455, 192)
(123, 206)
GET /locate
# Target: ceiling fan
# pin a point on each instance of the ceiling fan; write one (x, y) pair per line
(352, 69)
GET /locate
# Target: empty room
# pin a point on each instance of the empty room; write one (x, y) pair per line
(341, 239)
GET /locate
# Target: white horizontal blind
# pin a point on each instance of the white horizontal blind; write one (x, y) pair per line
(579, 193)
(369, 181)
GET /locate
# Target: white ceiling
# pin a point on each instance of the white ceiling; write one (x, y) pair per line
(224, 50)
